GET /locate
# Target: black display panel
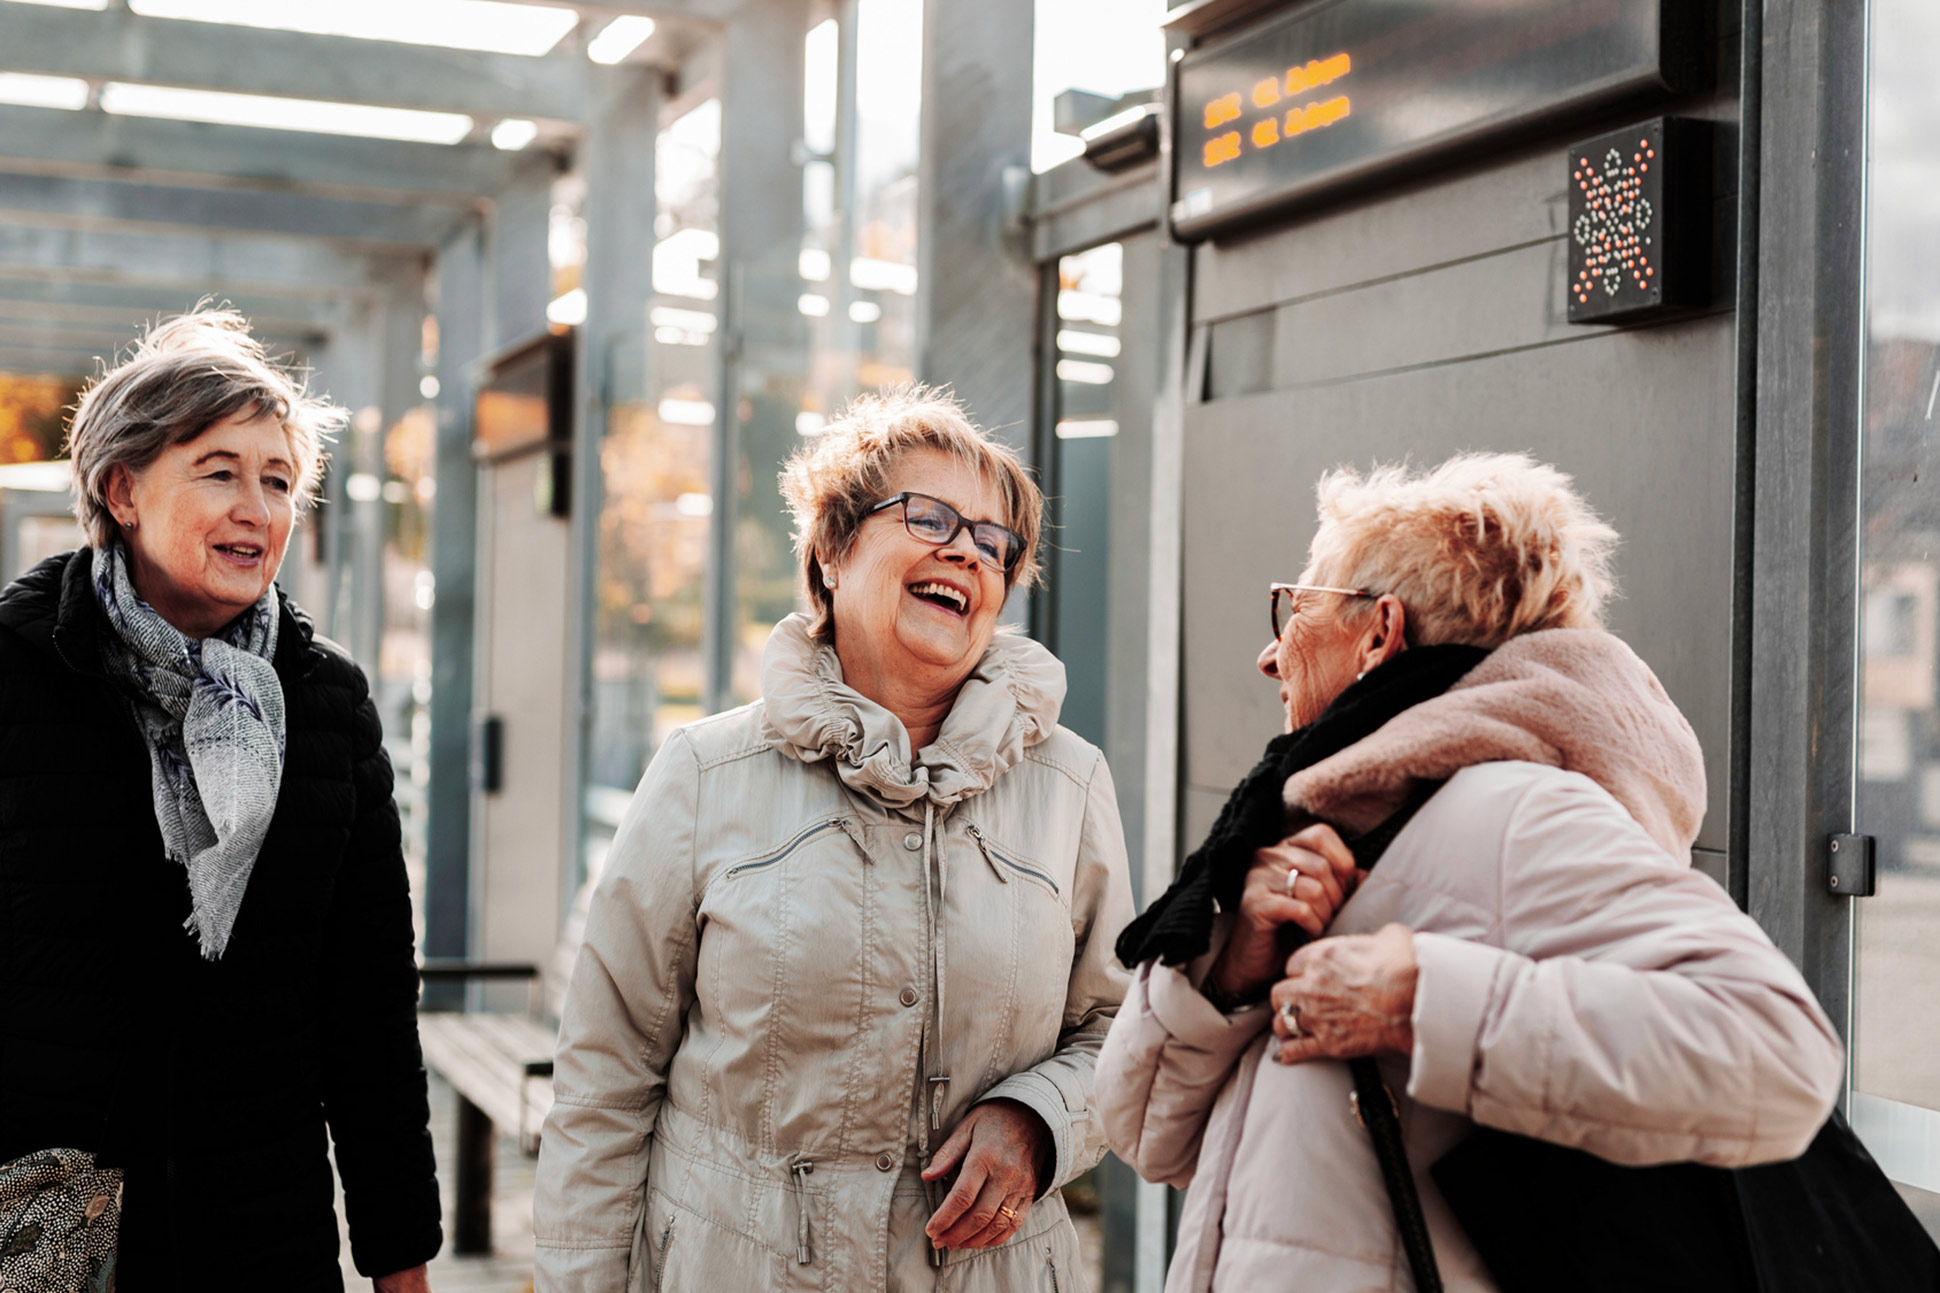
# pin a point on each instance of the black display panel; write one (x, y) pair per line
(1336, 93)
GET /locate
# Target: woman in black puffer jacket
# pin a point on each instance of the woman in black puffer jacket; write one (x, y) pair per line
(206, 951)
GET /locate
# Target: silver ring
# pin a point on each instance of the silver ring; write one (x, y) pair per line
(1293, 878)
(1290, 1016)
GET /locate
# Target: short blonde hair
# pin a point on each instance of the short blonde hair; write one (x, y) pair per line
(833, 480)
(184, 376)
(1479, 550)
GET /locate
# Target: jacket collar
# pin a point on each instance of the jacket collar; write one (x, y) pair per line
(1009, 703)
(52, 607)
(1576, 699)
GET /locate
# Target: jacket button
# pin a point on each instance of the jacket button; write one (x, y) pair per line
(908, 996)
(912, 841)
(884, 1162)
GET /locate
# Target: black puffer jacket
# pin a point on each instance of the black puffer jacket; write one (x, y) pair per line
(211, 1083)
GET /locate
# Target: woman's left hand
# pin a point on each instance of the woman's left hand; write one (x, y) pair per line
(1348, 996)
(1000, 1144)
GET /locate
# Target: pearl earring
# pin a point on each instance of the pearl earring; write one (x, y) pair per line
(1362, 674)
(828, 578)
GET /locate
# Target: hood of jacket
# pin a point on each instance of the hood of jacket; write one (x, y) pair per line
(1009, 703)
(1576, 699)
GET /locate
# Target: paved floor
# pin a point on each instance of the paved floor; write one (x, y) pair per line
(508, 1269)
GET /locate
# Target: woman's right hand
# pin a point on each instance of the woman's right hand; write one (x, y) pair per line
(1303, 880)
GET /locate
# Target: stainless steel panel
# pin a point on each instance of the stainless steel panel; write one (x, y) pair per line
(1646, 430)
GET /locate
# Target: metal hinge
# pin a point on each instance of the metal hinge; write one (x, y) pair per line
(1849, 865)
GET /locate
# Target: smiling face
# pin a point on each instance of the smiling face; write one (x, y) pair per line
(911, 617)
(211, 518)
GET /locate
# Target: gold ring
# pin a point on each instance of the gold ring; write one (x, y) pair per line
(1010, 1214)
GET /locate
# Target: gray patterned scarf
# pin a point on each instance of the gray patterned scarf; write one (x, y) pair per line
(211, 712)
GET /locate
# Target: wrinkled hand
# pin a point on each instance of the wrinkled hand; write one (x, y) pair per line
(1322, 873)
(1000, 1144)
(414, 1280)
(1353, 995)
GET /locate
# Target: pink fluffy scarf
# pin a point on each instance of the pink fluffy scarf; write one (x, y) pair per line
(1576, 699)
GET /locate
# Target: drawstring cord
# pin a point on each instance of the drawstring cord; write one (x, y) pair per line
(801, 1167)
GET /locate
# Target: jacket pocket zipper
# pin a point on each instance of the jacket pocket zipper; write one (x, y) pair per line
(800, 1168)
(762, 864)
(1052, 1262)
(993, 857)
(660, 1270)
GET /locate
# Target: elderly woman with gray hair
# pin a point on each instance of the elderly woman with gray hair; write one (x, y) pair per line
(1532, 954)
(207, 974)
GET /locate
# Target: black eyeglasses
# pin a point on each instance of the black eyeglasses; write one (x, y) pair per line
(934, 521)
(1274, 592)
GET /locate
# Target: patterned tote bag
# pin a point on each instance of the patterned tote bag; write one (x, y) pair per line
(60, 1216)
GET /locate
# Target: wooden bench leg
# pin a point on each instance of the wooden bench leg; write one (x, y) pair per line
(472, 1228)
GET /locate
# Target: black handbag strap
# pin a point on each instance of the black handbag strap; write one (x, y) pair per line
(1375, 1103)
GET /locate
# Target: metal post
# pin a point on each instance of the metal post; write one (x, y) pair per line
(1805, 521)
(454, 563)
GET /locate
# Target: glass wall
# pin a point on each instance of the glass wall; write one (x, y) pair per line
(1896, 1027)
(833, 312)
(649, 589)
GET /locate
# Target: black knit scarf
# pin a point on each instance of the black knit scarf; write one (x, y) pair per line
(1178, 926)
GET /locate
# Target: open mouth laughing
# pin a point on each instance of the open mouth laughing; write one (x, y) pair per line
(937, 593)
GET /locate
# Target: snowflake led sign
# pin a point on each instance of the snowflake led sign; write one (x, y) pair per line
(1639, 230)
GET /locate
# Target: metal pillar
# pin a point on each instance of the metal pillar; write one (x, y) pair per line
(454, 562)
(976, 292)
(618, 278)
(762, 338)
(1804, 528)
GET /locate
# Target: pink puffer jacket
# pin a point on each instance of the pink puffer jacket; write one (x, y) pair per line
(1578, 982)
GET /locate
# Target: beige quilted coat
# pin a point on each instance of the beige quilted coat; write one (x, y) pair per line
(1578, 982)
(808, 956)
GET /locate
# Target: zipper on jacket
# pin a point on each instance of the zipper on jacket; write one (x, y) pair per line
(801, 1167)
(993, 857)
(1052, 1262)
(762, 864)
(660, 1270)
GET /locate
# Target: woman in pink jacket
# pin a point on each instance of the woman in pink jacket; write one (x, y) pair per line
(1533, 953)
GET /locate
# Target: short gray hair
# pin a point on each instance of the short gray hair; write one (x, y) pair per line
(184, 376)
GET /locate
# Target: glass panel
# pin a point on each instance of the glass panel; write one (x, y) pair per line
(1896, 1027)
(834, 313)
(651, 562)
(1090, 312)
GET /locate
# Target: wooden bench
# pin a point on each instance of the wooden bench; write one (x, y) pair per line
(499, 1064)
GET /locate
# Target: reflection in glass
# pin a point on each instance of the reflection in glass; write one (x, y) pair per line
(652, 544)
(1090, 288)
(1896, 1031)
(832, 313)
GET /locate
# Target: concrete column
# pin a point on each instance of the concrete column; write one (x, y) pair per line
(460, 301)
(976, 292)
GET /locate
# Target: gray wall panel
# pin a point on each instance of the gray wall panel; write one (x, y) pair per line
(1642, 419)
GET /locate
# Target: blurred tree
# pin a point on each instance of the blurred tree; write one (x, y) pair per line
(32, 412)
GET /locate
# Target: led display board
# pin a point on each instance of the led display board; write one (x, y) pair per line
(1336, 93)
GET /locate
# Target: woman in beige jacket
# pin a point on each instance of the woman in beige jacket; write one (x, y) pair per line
(1533, 951)
(849, 963)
